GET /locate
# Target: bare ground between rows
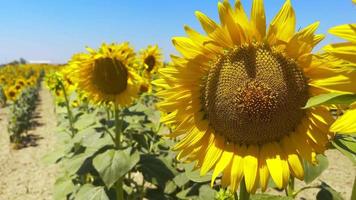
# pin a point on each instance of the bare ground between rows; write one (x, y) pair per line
(23, 176)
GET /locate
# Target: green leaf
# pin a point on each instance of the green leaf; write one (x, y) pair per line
(206, 193)
(269, 197)
(113, 164)
(63, 187)
(328, 193)
(90, 192)
(194, 175)
(346, 145)
(312, 172)
(86, 121)
(331, 98)
(53, 156)
(181, 179)
(155, 170)
(72, 165)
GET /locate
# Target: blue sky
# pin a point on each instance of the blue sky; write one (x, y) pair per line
(54, 30)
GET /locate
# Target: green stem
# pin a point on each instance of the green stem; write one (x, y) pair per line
(119, 189)
(290, 189)
(244, 195)
(235, 196)
(353, 194)
(118, 127)
(69, 111)
(118, 131)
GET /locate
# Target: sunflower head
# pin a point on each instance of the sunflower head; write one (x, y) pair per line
(11, 93)
(236, 96)
(151, 58)
(106, 75)
(21, 82)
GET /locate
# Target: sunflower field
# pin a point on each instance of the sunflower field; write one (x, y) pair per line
(249, 109)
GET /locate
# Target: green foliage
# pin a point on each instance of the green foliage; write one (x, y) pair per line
(3, 98)
(21, 113)
(346, 145)
(331, 98)
(311, 172)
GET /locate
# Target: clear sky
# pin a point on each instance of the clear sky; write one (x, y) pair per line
(55, 29)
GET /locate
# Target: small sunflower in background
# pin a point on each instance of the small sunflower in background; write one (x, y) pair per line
(344, 54)
(236, 96)
(106, 75)
(18, 87)
(151, 59)
(11, 93)
(21, 82)
(3, 79)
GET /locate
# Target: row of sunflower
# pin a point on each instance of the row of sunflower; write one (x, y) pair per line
(19, 90)
(247, 107)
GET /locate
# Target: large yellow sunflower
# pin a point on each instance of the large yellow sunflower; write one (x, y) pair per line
(236, 96)
(344, 54)
(151, 59)
(106, 75)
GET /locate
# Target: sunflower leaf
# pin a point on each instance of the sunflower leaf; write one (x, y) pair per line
(346, 145)
(331, 98)
(90, 192)
(314, 171)
(113, 164)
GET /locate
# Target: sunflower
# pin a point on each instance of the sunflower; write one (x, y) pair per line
(151, 59)
(11, 93)
(21, 82)
(106, 75)
(236, 96)
(344, 54)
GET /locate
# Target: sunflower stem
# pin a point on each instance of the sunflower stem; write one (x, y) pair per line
(244, 195)
(69, 111)
(290, 189)
(118, 130)
(353, 194)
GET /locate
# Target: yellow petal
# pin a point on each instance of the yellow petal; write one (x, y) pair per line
(227, 20)
(263, 173)
(346, 31)
(345, 51)
(303, 41)
(271, 152)
(250, 161)
(241, 18)
(212, 155)
(208, 24)
(237, 168)
(293, 158)
(258, 18)
(346, 123)
(224, 161)
(282, 26)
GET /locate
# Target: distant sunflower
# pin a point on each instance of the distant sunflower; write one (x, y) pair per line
(18, 87)
(21, 82)
(105, 75)
(344, 54)
(236, 96)
(151, 59)
(11, 93)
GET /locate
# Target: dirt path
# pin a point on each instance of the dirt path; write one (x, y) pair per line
(23, 176)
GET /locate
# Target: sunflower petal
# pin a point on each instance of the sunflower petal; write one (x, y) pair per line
(282, 26)
(346, 123)
(223, 162)
(258, 18)
(346, 31)
(250, 161)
